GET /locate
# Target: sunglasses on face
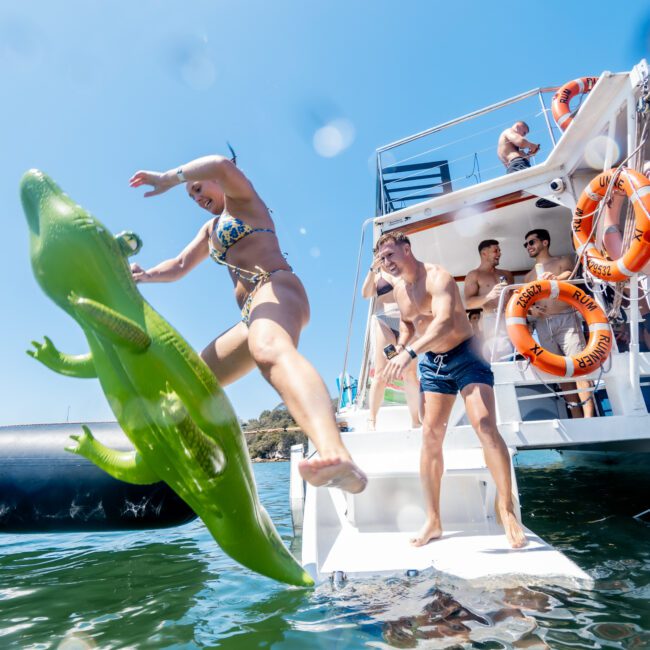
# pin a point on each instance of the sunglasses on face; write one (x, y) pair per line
(530, 242)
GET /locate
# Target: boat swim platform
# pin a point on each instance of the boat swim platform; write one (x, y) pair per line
(369, 533)
(478, 553)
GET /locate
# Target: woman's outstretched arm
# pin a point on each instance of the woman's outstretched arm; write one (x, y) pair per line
(173, 269)
(216, 168)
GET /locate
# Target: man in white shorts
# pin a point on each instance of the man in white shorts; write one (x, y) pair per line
(556, 323)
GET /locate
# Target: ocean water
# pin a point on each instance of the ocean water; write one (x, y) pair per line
(175, 589)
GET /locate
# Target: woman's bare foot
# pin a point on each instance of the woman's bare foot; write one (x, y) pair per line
(370, 425)
(514, 530)
(430, 531)
(333, 472)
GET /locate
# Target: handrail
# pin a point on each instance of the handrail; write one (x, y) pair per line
(548, 123)
(464, 118)
(364, 371)
(561, 393)
(354, 301)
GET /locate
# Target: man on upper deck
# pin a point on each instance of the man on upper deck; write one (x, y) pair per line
(434, 323)
(483, 288)
(556, 323)
(514, 150)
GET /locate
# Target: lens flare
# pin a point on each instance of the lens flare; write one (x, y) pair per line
(469, 222)
(410, 518)
(189, 57)
(601, 149)
(333, 138)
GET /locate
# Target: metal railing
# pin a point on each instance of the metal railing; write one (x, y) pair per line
(385, 205)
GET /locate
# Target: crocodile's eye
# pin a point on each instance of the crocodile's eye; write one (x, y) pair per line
(129, 242)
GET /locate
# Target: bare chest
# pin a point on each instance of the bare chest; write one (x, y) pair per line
(486, 282)
(413, 301)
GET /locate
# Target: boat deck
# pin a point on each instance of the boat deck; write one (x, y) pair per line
(469, 553)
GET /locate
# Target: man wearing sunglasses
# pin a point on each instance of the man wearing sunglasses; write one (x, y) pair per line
(514, 150)
(556, 323)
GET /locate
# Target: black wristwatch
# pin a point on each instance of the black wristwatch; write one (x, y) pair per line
(412, 353)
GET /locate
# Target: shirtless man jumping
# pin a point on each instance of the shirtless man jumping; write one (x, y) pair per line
(434, 323)
(512, 146)
(483, 287)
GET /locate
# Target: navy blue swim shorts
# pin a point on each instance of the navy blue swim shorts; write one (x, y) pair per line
(450, 372)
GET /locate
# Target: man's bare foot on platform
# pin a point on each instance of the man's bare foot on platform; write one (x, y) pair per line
(514, 530)
(333, 472)
(430, 531)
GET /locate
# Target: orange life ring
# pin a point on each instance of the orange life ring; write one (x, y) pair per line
(600, 334)
(637, 188)
(560, 104)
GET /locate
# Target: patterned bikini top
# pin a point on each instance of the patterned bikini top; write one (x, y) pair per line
(228, 230)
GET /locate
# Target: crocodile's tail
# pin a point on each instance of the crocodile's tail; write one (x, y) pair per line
(275, 561)
(228, 504)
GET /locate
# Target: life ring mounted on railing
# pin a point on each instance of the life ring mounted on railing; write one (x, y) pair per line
(598, 346)
(560, 104)
(637, 188)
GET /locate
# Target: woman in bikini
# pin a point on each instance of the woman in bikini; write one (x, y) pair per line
(379, 285)
(241, 236)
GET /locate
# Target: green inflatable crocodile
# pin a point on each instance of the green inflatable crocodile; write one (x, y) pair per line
(165, 398)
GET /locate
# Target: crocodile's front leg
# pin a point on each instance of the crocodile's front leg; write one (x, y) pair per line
(107, 322)
(125, 466)
(80, 365)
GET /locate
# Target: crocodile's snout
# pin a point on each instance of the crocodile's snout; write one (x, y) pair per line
(36, 191)
(30, 194)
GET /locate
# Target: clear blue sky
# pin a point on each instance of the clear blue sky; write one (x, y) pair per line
(94, 90)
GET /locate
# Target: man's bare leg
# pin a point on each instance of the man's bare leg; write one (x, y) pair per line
(437, 408)
(574, 409)
(479, 404)
(581, 404)
(586, 396)
(273, 334)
